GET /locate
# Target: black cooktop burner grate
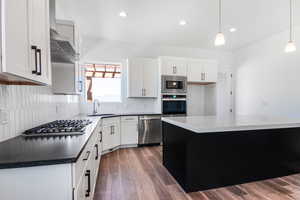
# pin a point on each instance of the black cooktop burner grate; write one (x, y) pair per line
(59, 127)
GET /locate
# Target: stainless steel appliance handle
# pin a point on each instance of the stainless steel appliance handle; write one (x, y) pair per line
(174, 99)
(150, 118)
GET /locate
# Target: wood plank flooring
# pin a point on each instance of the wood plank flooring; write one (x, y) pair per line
(138, 174)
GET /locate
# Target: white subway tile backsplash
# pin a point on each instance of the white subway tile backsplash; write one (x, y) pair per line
(30, 106)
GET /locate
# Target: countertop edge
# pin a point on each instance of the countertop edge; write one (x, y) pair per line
(228, 129)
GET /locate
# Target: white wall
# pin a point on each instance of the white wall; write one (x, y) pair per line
(113, 51)
(267, 78)
(30, 106)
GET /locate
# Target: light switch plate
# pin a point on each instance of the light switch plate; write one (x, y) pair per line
(3, 116)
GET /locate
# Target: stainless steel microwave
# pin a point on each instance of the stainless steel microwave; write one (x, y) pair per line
(173, 84)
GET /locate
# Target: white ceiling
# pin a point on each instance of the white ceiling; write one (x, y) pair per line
(156, 21)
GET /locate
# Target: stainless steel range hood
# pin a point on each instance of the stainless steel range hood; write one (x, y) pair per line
(62, 49)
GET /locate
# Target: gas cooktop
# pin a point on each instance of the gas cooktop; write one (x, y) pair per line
(59, 128)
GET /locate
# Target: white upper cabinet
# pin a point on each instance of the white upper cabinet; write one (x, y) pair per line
(39, 36)
(195, 71)
(142, 77)
(210, 69)
(202, 71)
(173, 66)
(15, 45)
(25, 45)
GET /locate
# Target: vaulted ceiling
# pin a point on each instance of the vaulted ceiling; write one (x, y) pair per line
(155, 22)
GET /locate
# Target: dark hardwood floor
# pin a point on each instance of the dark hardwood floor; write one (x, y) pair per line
(138, 174)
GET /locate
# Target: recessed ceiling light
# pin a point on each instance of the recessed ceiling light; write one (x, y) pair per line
(123, 14)
(182, 23)
(232, 30)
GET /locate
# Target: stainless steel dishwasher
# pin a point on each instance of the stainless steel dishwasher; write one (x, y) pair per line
(150, 130)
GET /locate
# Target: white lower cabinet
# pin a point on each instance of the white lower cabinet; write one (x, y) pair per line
(86, 168)
(119, 132)
(111, 133)
(70, 181)
(129, 130)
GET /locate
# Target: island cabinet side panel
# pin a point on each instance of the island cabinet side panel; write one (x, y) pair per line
(49, 182)
(228, 158)
(174, 151)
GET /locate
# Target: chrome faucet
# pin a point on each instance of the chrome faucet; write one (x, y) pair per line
(96, 105)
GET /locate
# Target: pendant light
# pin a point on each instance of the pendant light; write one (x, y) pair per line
(291, 45)
(220, 38)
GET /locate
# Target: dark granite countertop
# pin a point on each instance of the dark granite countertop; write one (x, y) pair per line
(26, 152)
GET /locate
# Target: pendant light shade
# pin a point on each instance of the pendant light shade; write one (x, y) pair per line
(220, 38)
(291, 45)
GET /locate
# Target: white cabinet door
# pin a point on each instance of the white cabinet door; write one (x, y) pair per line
(80, 191)
(174, 67)
(116, 134)
(211, 71)
(167, 67)
(181, 68)
(142, 78)
(202, 71)
(39, 37)
(195, 71)
(135, 78)
(15, 46)
(129, 130)
(107, 137)
(150, 78)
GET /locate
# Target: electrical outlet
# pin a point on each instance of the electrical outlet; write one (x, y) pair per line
(3, 116)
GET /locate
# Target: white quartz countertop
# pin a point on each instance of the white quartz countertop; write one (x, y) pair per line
(206, 124)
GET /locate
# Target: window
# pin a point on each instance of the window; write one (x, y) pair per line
(103, 82)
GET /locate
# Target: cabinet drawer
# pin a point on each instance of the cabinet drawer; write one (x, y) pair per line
(84, 158)
(129, 119)
(110, 120)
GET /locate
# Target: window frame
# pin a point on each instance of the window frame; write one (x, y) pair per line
(103, 63)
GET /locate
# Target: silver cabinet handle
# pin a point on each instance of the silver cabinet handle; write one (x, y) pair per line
(175, 69)
(143, 92)
(111, 130)
(202, 77)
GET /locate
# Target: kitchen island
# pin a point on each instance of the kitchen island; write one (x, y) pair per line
(209, 152)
